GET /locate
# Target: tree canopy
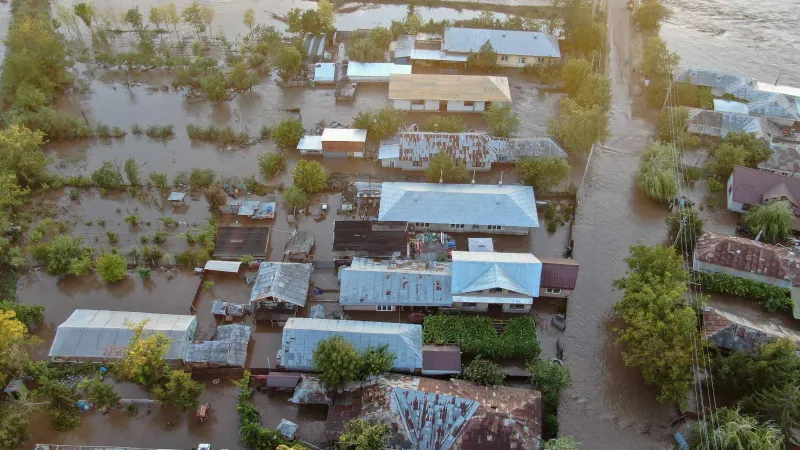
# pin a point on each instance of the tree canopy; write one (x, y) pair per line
(579, 127)
(773, 220)
(657, 175)
(563, 443)
(671, 128)
(144, 360)
(444, 124)
(729, 429)
(502, 120)
(442, 166)
(650, 13)
(294, 197)
(685, 226)
(369, 47)
(380, 124)
(288, 133)
(310, 176)
(22, 155)
(288, 62)
(99, 393)
(337, 361)
(112, 267)
(485, 59)
(180, 391)
(544, 173)
(361, 434)
(573, 72)
(484, 371)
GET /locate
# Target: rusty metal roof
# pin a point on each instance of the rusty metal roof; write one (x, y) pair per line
(731, 332)
(559, 273)
(747, 255)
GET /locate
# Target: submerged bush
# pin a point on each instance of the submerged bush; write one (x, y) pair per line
(220, 135)
(56, 125)
(108, 176)
(160, 131)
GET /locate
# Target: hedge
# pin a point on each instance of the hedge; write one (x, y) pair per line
(477, 336)
(772, 298)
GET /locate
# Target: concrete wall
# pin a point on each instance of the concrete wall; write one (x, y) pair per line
(434, 105)
(706, 267)
(732, 205)
(473, 229)
(363, 308)
(310, 152)
(404, 105)
(409, 165)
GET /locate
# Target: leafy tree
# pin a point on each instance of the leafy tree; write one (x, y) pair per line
(578, 128)
(337, 361)
(14, 428)
(144, 272)
(13, 334)
(441, 165)
(361, 434)
(781, 405)
(112, 267)
(29, 315)
(502, 120)
(583, 35)
(486, 58)
(201, 178)
(288, 62)
(671, 127)
(180, 391)
(684, 228)
(657, 176)
(728, 429)
(171, 15)
(659, 62)
(156, 15)
(293, 20)
(444, 124)
(573, 73)
(99, 393)
(159, 180)
(650, 13)
(774, 220)
(363, 49)
(288, 133)
(772, 364)
(249, 19)
(725, 157)
(563, 443)
(132, 172)
(326, 16)
(550, 378)
(271, 164)
(241, 78)
(295, 197)
(193, 15)
(544, 173)
(85, 11)
(11, 195)
(756, 149)
(108, 176)
(380, 124)
(376, 361)
(30, 98)
(216, 198)
(61, 403)
(144, 360)
(63, 253)
(484, 372)
(310, 176)
(309, 22)
(215, 86)
(133, 17)
(22, 154)
(595, 90)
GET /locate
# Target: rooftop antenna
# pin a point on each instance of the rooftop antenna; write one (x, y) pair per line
(473, 175)
(501, 179)
(441, 176)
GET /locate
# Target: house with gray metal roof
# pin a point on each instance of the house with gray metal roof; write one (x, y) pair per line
(475, 208)
(513, 48)
(370, 285)
(478, 151)
(279, 289)
(228, 349)
(719, 123)
(301, 336)
(509, 281)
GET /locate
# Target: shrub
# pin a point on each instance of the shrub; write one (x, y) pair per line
(288, 133)
(295, 198)
(484, 372)
(113, 238)
(56, 125)
(136, 129)
(79, 181)
(160, 131)
(772, 298)
(478, 337)
(102, 131)
(144, 240)
(502, 120)
(215, 87)
(132, 172)
(444, 124)
(192, 258)
(144, 272)
(224, 136)
(271, 164)
(380, 124)
(159, 180)
(108, 176)
(160, 237)
(657, 171)
(112, 267)
(715, 186)
(74, 194)
(310, 176)
(133, 220)
(201, 178)
(169, 222)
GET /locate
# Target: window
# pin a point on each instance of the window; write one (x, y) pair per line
(456, 225)
(469, 305)
(470, 104)
(496, 290)
(522, 60)
(417, 102)
(494, 227)
(416, 163)
(555, 291)
(384, 308)
(504, 58)
(475, 227)
(517, 307)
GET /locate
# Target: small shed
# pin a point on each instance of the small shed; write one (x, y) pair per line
(283, 380)
(222, 266)
(441, 359)
(344, 142)
(310, 145)
(480, 244)
(375, 72)
(177, 198)
(315, 48)
(299, 246)
(16, 390)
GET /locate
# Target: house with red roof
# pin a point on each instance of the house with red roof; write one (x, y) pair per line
(747, 187)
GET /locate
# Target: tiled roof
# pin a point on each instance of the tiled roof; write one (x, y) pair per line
(406, 283)
(753, 186)
(286, 282)
(731, 332)
(509, 206)
(480, 271)
(559, 273)
(747, 255)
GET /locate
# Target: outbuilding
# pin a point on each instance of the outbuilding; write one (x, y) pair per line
(453, 93)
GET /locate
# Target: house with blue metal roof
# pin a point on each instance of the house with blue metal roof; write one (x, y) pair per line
(513, 48)
(484, 281)
(301, 336)
(464, 208)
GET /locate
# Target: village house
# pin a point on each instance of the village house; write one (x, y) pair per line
(422, 48)
(729, 332)
(374, 239)
(279, 289)
(301, 336)
(357, 72)
(478, 151)
(335, 143)
(719, 124)
(559, 277)
(460, 208)
(299, 246)
(426, 413)
(748, 187)
(227, 349)
(513, 48)
(484, 281)
(452, 93)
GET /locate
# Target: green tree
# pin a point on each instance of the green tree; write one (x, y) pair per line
(441, 165)
(595, 90)
(22, 155)
(550, 378)
(193, 16)
(249, 19)
(657, 174)
(728, 429)
(14, 428)
(544, 173)
(293, 20)
(288, 133)
(108, 176)
(271, 164)
(444, 124)
(361, 434)
(310, 176)
(241, 78)
(671, 127)
(216, 198)
(99, 393)
(781, 405)
(563, 443)
(684, 228)
(215, 86)
(180, 391)
(485, 59)
(11, 195)
(309, 22)
(773, 220)
(659, 62)
(30, 98)
(63, 253)
(502, 120)
(337, 361)
(326, 16)
(144, 359)
(144, 272)
(380, 124)
(159, 180)
(61, 403)
(483, 371)
(376, 361)
(725, 157)
(133, 17)
(132, 172)
(650, 13)
(573, 73)
(85, 11)
(583, 35)
(578, 128)
(294, 197)
(28, 315)
(756, 149)
(111, 267)
(288, 62)
(362, 49)
(772, 364)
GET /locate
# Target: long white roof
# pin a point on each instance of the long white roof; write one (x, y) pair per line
(468, 204)
(92, 335)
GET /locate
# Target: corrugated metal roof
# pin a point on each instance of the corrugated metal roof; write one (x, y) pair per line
(301, 336)
(223, 266)
(559, 273)
(504, 42)
(285, 282)
(376, 70)
(730, 106)
(300, 242)
(344, 135)
(99, 335)
(325, 72)
(404, 45)
(480, 204)
(228, 349)
(480, 244)
(176, 196)
(492, 300)
(480, 271)
(310, 143)
(248, 207)
(405, 283)
(478, 88)
(389, 151)
(432, 421)
(719, 123)
(422, 54)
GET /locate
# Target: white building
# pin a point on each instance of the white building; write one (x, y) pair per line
(454, 93)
